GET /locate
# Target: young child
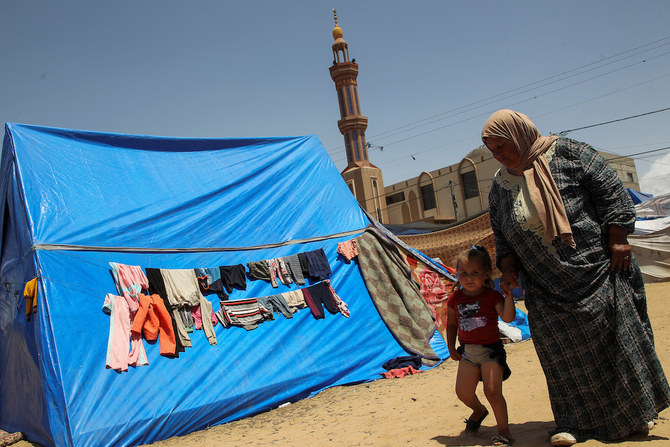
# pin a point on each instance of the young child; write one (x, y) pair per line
(472, 313)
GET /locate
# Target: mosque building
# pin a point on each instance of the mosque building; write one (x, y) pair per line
(443, 196)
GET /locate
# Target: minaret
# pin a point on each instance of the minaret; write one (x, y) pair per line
(364, 179)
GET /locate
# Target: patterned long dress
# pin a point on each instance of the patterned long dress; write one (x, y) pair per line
(589, 325)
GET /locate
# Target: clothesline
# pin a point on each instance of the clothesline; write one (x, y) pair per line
(72, 247)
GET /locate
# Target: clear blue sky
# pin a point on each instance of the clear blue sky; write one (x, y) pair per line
(430, 72)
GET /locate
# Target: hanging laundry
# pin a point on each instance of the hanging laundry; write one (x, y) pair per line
(318, 296)
(210, 281)
(245, 313)
(197, 317)
(275, 303)
(124, 348)
(259, 270)
(348, 249)
(181, 286)
(278, 270)
(183, 291)
(130, 281)
(186, 318)
(293, 265)
(157, 286)
(304, 264)
(295, 299)
(318, 265)
(233, 277)
(153, 319)
(207, 323)
(30, 294)
(341, 305)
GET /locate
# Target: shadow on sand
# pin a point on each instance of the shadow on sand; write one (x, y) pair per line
(528, 434)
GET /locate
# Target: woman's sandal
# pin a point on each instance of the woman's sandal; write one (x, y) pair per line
(502, 441)
(473, 426)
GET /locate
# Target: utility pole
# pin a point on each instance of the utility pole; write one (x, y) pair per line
(453, 200)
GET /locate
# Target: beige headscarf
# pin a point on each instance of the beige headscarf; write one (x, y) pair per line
(531, 146)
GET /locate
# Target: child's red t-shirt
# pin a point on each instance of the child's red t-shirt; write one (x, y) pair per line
(477, 316)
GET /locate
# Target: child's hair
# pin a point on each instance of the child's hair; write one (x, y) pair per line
(481, 254)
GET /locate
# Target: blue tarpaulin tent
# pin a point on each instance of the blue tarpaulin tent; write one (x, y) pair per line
(73, 201)
(638, 197)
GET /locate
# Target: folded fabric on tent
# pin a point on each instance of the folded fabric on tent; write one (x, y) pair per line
(396, 295)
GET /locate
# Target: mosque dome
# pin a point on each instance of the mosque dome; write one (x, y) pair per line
(337, 32)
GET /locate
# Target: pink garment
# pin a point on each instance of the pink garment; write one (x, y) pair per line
(197, 317)
(121, 339)
(432, 287)
(434, 292)
(348, 249)
(130, 281)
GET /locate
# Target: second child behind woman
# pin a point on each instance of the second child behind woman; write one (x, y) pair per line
(472, 313)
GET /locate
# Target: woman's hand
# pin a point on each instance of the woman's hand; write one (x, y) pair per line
(510, 275)
(620, 250)
(509, 281)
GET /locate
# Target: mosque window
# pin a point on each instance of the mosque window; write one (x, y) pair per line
(395, 198)
(469, 182)
(428, 196)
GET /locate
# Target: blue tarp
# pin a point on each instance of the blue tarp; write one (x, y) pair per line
(74, 200)
(638, 197)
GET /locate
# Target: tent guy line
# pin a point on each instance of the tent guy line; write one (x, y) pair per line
(71, 247)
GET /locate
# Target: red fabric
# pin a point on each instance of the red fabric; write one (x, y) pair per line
(400, 372)
(434, 288)
(477, 316)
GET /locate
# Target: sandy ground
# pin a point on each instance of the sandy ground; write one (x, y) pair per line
(422, 409)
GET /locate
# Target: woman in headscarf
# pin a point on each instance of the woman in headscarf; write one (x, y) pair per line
(561, 216)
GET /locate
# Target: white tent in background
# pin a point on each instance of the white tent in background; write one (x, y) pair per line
(651, 240)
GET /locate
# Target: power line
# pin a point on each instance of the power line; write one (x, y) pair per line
(526, 87)
(486, 113)
(404, 157)
(565, 132)
(517, 103)
(640, 153)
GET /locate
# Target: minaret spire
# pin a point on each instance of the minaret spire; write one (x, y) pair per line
(352, 123)
(364, 178)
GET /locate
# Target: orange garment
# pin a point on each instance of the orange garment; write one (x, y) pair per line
(153, 319)
(30, 294)
(400, 372)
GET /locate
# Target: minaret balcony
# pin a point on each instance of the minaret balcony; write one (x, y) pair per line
(342, 70)
(353, 122)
